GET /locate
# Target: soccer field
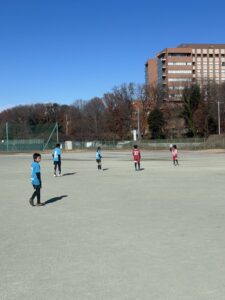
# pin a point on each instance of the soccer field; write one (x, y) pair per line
(116, 234)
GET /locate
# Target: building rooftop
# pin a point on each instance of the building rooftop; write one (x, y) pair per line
(212, 46)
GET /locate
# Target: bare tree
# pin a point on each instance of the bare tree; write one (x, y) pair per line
(119, 111)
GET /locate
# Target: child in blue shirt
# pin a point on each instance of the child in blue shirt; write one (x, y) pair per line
(99, 158)
(36, 179)
(56, 156)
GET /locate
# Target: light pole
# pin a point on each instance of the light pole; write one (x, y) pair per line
(7, 136)
(138, 123)
(218, 114)
(218, 103)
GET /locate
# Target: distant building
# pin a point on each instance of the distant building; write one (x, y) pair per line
(175, 68)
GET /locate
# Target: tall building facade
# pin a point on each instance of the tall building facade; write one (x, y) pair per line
(175, 68)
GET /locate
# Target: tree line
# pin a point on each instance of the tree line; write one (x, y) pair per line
(127, 107)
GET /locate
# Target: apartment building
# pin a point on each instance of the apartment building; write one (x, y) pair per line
(178, 67)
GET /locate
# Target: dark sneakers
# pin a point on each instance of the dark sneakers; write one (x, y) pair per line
(31, 202)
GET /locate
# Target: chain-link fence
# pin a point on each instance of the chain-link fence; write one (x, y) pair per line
(213, 142)
(24, 137)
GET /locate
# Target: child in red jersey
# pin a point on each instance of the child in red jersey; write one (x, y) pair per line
(137, 157)
(175, 155)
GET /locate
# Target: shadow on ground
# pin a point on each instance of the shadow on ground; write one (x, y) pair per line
(68, 174)
(54, 199)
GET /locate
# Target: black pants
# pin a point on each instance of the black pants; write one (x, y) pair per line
(137, 163)
(37, 193)
(57, 163)
(99, 163)
(175, 162)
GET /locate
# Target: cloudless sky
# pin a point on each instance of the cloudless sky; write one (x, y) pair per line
(63, 50)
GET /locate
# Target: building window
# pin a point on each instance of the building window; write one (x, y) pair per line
(179, 71)
(178, 63)
(179, 79)
(176, 87)
(179, 54)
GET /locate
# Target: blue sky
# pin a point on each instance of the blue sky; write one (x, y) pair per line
(60, 51)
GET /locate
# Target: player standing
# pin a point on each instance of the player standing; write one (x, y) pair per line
(56, 156)
(36, 179)
(175, 155)
(98, 157)
(137, 157)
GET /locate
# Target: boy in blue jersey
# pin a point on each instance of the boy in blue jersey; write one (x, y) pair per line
(99, 158)
(36, 179)
(56, 156)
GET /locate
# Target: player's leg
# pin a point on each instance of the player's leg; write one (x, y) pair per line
(55, 167)
(139, 165)
(97, 161)
(59, 167)
(31, 200)
(38, 191)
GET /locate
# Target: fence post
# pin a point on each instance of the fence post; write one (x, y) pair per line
(57, 132)
(55, 128)
(7, 136)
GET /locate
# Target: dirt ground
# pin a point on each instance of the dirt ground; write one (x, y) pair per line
(116, 234)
